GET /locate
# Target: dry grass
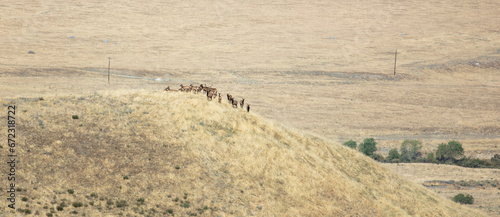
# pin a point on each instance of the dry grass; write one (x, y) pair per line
(323, 67)
(482, 184)
(229, 160)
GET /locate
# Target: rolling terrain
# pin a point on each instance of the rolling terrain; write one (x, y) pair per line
(154, 153)
(316, 73)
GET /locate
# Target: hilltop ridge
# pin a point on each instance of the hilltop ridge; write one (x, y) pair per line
(159, 152)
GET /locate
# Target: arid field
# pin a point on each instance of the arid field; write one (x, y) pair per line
(316, 74)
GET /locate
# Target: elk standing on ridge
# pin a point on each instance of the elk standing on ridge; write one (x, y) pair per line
(242, 102)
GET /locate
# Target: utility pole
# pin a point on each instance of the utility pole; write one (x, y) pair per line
(395, 58)
(109, 64)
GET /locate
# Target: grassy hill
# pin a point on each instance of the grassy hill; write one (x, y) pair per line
(155, 153)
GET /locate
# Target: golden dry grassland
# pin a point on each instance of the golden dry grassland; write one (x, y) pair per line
(316, 74)
(159, 146)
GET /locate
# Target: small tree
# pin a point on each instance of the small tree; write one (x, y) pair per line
(449, 152)
(368, 146)
(393, 154)
(410, 150)
(351, 144)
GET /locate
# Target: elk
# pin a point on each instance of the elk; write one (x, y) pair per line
(185, 88)
(235, 103)
(210, 95)
(248, 107)
(219, 98)
(168, 89)
(242, 102)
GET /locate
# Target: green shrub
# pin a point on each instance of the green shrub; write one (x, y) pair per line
(121, 203)
(410, 150)
(431, 158)
(185, 204)
(495, 161)
(449, 152)
(170, 211)
(368, 146)
(351, 144)
(393, 155)
(60, 208)
(24, 199)
(74, 117)
(472, 163)
(71, 191)
(77, 204)
(463, 199)
(110, 202)
(377, 157)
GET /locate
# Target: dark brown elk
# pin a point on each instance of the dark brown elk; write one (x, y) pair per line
(185, 88)
(235, 103)
(168, 89)
(242, 102)
(220, 98)
(210, 95)
(248, 107)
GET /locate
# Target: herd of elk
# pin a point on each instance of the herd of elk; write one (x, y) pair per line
(211, 94)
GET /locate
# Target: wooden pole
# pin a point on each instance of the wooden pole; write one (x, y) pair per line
(395, 58)
(109, 64)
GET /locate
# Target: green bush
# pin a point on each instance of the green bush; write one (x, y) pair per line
(110, 202)
(351, 144)
(77, 204)
(121, 203)
(185, 204)
(377, 157)
(74, 116)
(463, 199)
(473, 163)
(495, 160)
(393, 155)
(71, 191)
(431, 158)
(449, 152)
(368, 146)
(410, 150)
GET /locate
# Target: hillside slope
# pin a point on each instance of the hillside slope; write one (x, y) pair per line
(156, 153)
